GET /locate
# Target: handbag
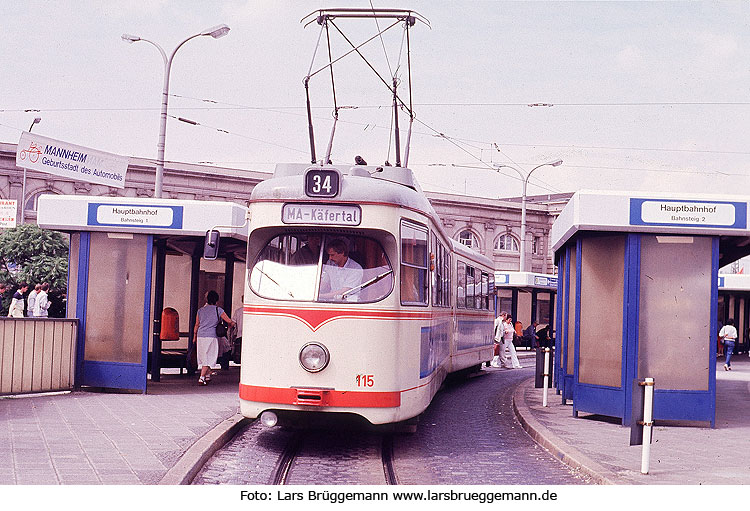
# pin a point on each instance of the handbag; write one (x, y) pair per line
(224, 345)
(221, 326)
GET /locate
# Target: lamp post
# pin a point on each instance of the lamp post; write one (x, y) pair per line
(215, 32)
(36, 120)
(525, 181)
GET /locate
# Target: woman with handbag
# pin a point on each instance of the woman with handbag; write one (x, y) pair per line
(209, 326)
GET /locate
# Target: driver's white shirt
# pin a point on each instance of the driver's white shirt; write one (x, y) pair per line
(345, 277)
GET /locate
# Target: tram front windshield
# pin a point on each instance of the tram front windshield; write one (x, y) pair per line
(322, 267)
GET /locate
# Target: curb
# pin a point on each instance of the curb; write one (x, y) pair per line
(554, 444)
(190, 463)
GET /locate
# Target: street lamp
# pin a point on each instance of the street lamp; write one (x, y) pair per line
(36, 120)
(525, 180)
(215, 32)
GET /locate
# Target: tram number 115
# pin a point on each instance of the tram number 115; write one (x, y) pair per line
(365, 380)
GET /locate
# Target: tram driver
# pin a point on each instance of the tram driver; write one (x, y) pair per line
(340, 274)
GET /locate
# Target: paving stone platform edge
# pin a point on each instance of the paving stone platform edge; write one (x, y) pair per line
(554, 444)
(190, 463)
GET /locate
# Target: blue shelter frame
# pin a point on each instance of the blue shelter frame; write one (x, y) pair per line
(615, 400)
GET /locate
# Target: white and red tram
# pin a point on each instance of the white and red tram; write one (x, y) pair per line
(356, 300)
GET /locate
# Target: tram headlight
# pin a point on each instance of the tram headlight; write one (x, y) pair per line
(314, 357)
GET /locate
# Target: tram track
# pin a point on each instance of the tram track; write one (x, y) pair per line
(341, 460)
(286, 460)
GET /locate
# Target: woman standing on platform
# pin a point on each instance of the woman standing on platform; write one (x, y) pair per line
(206, 341)
(508, 343)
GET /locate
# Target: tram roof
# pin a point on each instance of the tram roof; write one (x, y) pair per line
(391, 185)
(722, 215)
(361, 184)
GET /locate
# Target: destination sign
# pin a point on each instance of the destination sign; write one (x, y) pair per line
(321, 214)
(731, 215)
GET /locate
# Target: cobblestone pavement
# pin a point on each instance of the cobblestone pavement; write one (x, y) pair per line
(339, 458)
(249, 458)
(340, 455)
(469, 435)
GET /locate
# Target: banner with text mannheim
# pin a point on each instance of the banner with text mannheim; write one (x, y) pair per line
(44, 154)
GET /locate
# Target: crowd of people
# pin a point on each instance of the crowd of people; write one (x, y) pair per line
(30, 301)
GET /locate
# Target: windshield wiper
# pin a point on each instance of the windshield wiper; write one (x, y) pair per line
(370, 282)
(272, 280)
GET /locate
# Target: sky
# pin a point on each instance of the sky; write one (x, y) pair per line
(630, 95)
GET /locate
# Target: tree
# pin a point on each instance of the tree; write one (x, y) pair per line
(32, 255)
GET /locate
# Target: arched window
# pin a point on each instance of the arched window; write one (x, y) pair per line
(507, 243)
(468, 238)
(31, 204)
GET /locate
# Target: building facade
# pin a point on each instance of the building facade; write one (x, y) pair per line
(490, 226)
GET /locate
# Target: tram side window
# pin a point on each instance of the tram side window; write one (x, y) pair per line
(322, 267)
(485, 291)
(460, 285)
(413, 264)
(491, 293)
(441, 275)
(436, 270)
(447, 280)
(470, 288)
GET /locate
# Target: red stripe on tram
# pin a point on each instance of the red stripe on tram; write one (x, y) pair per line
(320, 397)
(315, 318)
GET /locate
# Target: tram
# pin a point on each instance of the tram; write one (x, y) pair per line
(356, 299)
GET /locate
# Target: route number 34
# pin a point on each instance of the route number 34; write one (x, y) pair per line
(365, 380)
(321, 183)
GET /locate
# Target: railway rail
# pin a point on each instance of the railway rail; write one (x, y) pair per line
(280, 456)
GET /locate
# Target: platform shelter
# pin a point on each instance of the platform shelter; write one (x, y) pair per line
(130, 258)
(527, 297)
(734, 302)
(637, 297)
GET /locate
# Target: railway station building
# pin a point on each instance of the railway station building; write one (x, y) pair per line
(490, 226)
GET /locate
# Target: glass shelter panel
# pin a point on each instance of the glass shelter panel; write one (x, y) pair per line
(72, 295)
(114, 331)
(571, 304)
(524, 308)
(504, 300)
(543, 308)
(602, 291)
(674, 337)
(562, 285)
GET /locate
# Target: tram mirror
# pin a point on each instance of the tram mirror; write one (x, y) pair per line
(211, 245)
